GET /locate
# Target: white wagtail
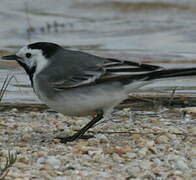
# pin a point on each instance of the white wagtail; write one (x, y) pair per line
(77, 84)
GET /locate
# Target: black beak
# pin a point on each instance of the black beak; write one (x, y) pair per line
(11, 57)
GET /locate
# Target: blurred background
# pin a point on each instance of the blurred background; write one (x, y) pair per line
(161, 32)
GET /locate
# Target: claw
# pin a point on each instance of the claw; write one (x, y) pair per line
(72, 138)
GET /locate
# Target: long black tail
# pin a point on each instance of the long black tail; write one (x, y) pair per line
(127, 79)
(167, 73)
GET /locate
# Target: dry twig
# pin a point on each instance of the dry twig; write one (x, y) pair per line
(5, 85)
(10, 160)
(142, 133)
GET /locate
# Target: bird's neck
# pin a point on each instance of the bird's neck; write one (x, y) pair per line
(29, 70)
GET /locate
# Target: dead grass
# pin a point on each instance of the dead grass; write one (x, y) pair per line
(10, 160)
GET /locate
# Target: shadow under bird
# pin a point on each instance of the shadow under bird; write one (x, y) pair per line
(75, 83)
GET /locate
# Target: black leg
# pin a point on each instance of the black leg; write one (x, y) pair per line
(80, 134)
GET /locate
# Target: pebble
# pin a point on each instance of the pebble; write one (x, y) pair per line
(60, 178)
(131, 155)
(172, 136)
(181, 164)
(41, 160)
(14, 110)
(143, 155)
(53, 161)
(146, 164)
(97, 152)
(162, 139)
(116, 157)
(133, 171)
(178, 172)
(193, 163)
(150, 143)
(143, 151)
(102, 138)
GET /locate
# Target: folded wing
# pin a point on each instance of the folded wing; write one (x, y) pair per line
(108, 70)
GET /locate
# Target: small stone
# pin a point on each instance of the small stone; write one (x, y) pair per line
(172, 136)
(103, 138)
(14, 110)
(179, 178)
(147, 175)
(146, 165)
(24, 160)
(18, 175)
(60, 178)
(133, 171)
(26, 138)
(178, 173)
(53, 161)
(162, 139)
(118, 150)
(143, 151)
(97, 152)
(131, 155)
(181, 164)
(41, 160)
(192, 152)
(46, 175)
(93, 141)
(21, 166)
(193, 163)
(86, 149)
(34, 114)
(116, 157)
(60, 116)
(150, 143)
(156, 170)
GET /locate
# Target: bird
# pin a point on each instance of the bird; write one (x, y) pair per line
(77, 83)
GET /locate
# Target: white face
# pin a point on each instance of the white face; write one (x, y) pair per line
(32, 57)
(29, 56)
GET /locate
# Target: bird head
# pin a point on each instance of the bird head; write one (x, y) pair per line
(34, 56)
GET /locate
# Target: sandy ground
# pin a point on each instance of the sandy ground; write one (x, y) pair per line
(154, 145)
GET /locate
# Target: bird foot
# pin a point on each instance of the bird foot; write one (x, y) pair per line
(73, 138)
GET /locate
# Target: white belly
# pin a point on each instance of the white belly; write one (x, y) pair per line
(83, 100)
(75, 104)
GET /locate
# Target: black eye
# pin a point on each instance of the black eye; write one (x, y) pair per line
(28, 55)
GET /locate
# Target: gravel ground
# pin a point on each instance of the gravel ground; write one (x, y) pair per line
(137, 145)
